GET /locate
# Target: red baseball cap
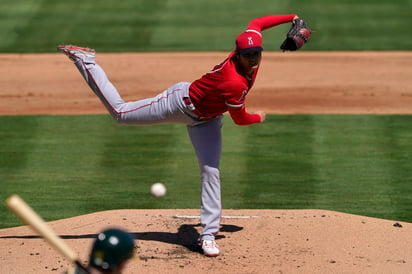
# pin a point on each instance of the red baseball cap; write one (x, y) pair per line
(250, 40)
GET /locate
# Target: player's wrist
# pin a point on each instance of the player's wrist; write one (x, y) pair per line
(262, 116)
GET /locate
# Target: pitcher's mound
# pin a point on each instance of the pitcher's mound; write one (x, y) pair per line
(251, 241)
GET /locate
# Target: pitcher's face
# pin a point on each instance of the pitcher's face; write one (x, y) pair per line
(250, 61)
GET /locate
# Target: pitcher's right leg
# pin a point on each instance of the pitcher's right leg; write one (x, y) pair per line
(84, 60)
(163, 108)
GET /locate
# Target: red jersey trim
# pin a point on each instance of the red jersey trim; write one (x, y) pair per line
(234, 106)
(221, 67)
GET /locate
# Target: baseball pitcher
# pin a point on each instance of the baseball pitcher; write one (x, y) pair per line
(199, 105)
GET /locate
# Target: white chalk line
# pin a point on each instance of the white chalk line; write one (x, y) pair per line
(223, 217)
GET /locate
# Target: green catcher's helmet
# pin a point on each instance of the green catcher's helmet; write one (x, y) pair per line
(111, 248)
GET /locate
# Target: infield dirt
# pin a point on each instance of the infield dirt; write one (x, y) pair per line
(252, 241)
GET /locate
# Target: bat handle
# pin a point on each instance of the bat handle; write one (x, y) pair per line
(22, 210)
(83, 269)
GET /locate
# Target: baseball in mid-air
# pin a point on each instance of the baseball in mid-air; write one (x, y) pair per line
(158, 190)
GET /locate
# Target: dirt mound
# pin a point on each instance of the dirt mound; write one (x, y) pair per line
(251, 241)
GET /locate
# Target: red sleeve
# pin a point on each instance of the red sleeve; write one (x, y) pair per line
(235, 103)
(269, 21)
(241, 117)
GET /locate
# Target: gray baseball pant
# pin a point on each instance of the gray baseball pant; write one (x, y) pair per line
(169, 107)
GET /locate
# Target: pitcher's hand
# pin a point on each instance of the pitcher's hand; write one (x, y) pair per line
(262, 115)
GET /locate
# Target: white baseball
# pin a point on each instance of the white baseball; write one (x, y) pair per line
(158, 190)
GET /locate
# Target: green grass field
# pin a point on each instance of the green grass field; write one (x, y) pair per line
(202, 25)
(70, 165)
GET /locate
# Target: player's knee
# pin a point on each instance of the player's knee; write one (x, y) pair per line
(119, 118)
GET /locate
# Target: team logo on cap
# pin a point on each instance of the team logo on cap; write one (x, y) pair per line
(250, 41)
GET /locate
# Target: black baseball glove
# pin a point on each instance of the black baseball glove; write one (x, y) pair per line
(298, 35)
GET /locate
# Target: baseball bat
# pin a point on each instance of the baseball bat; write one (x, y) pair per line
(22, 210)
